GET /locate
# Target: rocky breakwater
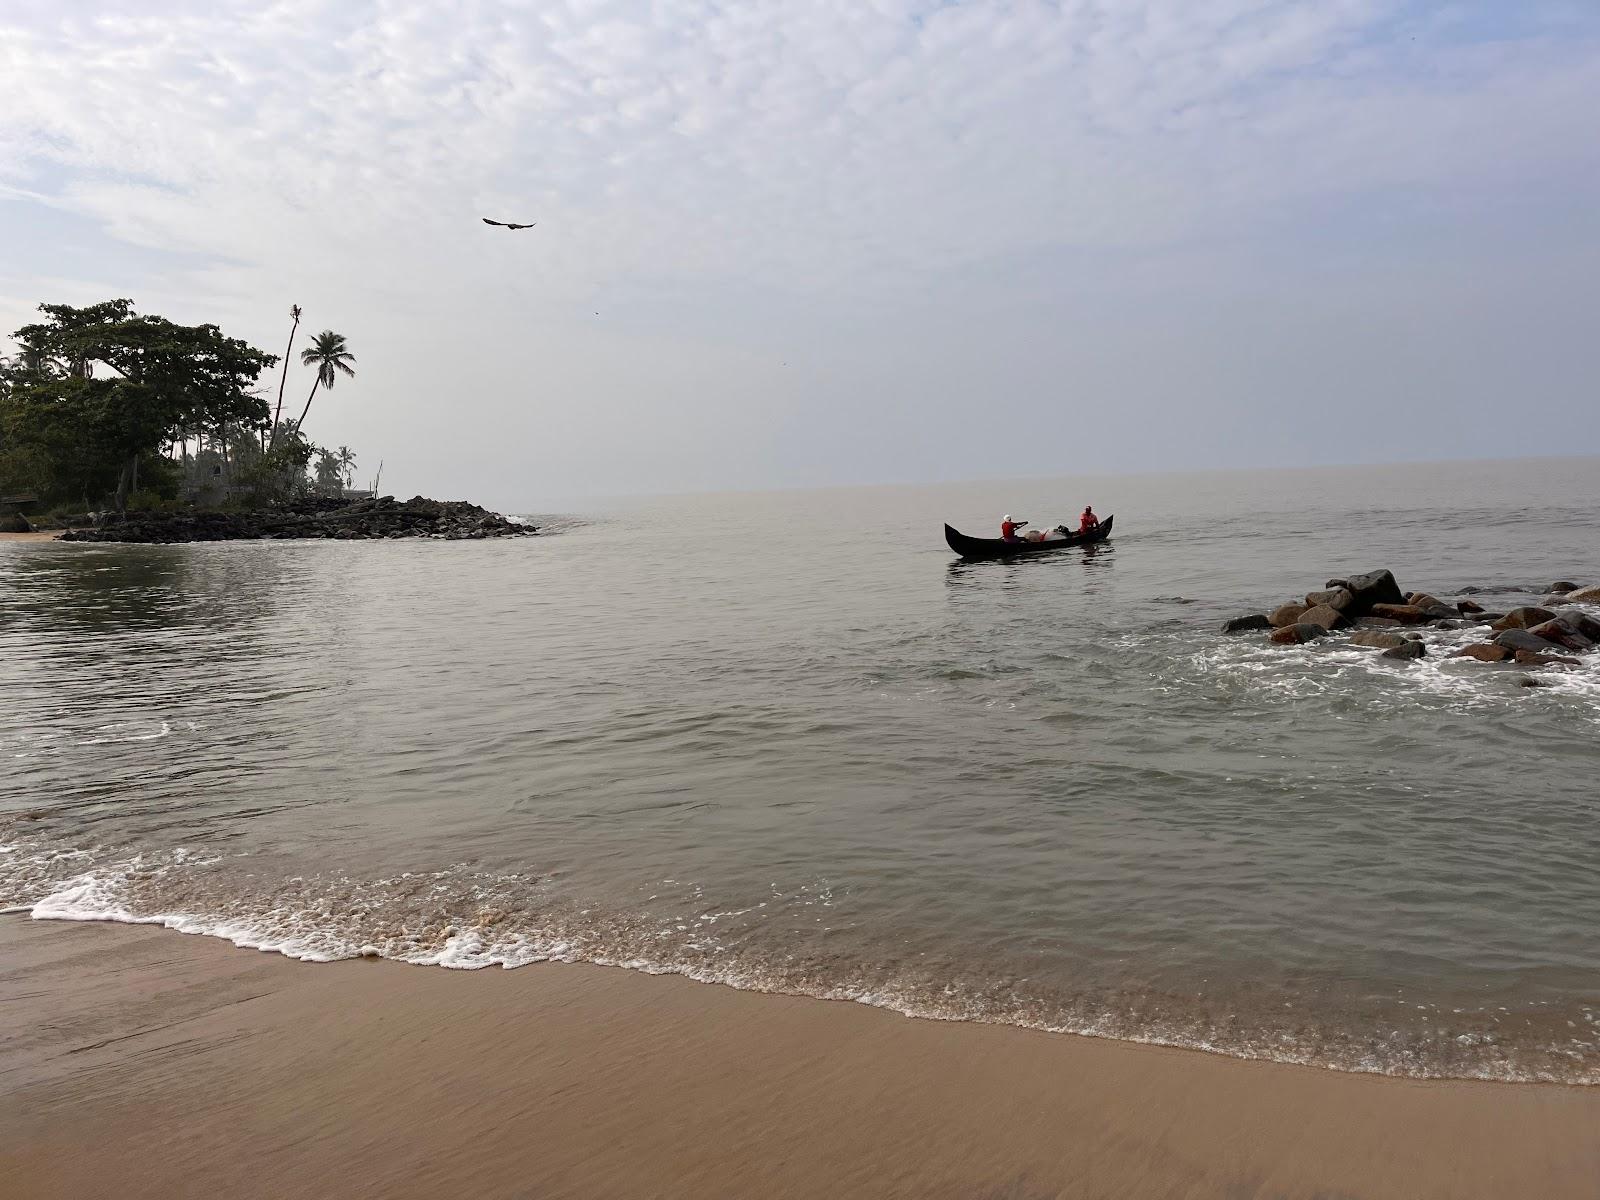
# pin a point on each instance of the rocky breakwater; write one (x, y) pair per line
(1372, 611)
(368, 519)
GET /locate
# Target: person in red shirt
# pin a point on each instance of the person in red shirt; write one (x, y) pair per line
(1008, 528)
(1088, 521)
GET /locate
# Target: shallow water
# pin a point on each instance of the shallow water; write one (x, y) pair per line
(785, 741)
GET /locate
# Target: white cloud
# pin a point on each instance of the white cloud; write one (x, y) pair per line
(841, 152)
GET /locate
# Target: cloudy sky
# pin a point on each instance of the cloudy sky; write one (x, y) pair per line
(838, 241)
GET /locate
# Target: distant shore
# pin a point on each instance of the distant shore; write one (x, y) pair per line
(140, 1062)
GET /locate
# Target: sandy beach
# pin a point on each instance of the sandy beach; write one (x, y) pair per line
(38, 535)
(141, 1062)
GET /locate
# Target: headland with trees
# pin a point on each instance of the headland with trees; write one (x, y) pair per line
(122, 426)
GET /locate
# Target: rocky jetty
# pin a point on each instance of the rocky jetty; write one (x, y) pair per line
(320, 517)
(1373, 612)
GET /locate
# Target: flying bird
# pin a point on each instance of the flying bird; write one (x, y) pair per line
(509, 225)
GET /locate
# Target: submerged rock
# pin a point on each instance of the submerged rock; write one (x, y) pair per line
(1296, 635)
(1485, 652)
(1530, 658)
(1561, 588)
(1377, 639)
(1406, 650)
(1246, 624)
(1468, 607)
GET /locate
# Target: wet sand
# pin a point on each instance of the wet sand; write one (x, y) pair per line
(38, 535)
(139, 1062)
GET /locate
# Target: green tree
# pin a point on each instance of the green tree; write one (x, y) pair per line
(169, 380)
(329, 355)
(346, 458)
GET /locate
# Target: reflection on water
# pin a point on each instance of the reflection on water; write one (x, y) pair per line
(748, 740)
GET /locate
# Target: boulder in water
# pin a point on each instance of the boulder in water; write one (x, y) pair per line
(1246, 624)
(1296, 635)
(1577, 619)
(1323, 615)
(1406, 614)
(1467, 607)
(1521, 639)
(1561, 588)
(1563, 634)
(1339, 598)
(1588, 595)
(1375, 587)
(1523, 618)
(1287, 614)
(1407, 650)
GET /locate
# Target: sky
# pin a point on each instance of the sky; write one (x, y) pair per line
(840, 241)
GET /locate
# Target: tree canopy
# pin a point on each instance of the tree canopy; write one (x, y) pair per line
(94, 389)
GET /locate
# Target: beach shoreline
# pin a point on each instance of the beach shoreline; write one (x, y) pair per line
(146, 1062)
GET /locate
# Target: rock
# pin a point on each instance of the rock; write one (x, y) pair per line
(1525, 681)
(1406, 614)
(1562, 588)
(1327, 617)
(1338, 598)
(1337, 583)
(1588, 595)
(1562, 634)
(1423, 600)
(1529, 658)
(1521, 639)
(1377, 639)
(1450, 623)
(1287, 614)
(1523, 618)
(314, 517)
(1485, 652)
(1406, 651)
(1376, 587)
(1468, 607)
(1246, 624)
(1577, 619)
(15, 523)
(1379, 623)
(1295, 635)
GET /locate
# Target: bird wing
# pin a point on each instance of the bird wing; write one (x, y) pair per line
(529, 225)
(486, 221)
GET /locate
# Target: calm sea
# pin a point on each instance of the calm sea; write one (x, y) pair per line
(785, 741)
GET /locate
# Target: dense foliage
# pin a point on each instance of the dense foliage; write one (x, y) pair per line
(101, 402)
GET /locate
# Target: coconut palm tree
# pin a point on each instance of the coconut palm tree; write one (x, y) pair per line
(328, 354)
(346, 458)
(294, 313)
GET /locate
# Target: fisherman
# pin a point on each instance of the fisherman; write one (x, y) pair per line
(1088, 522)
(1008, 528)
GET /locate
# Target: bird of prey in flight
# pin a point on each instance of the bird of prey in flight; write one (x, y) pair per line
(509, 225)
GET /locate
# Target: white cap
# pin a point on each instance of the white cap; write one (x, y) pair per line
(1007, 517)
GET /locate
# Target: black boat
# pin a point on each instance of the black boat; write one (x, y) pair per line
(971, 547)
